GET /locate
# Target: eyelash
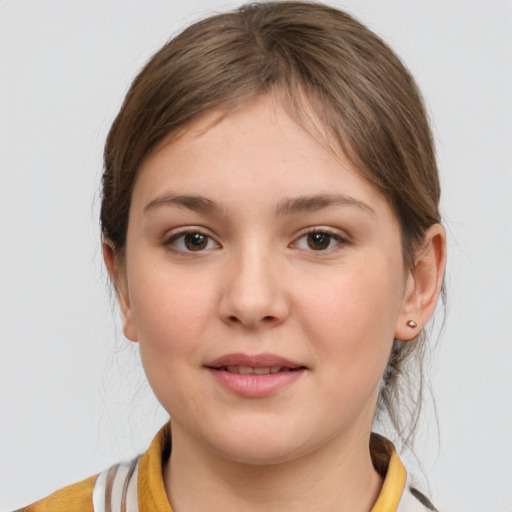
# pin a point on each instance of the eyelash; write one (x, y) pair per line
(321, 231)
(171, 240)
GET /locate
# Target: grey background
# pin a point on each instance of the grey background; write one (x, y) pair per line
(72, 396)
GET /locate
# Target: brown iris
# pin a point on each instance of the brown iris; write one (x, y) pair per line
(318, 241)
(195, 241)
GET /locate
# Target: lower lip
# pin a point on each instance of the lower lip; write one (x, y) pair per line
(255, 386)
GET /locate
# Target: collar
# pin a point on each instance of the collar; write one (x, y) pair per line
(152, 495)
(394, 481)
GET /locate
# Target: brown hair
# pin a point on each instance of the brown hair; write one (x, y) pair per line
(335, 77)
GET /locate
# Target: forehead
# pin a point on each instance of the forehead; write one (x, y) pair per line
(259, 149)
(294, 110)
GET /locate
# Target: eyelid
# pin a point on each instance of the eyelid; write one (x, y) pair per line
(338, 235)
(177, 233)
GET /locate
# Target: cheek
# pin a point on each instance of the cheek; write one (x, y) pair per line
(170, 316)
(170, 312)
(353, 321)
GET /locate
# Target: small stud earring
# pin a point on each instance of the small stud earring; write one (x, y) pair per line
(412, 324)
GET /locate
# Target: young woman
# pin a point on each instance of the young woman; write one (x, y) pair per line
(270, 223)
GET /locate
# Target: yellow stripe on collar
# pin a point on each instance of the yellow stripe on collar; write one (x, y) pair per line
(152, 496)
(394, 484)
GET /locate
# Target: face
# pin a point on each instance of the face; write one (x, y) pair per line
(264, 282)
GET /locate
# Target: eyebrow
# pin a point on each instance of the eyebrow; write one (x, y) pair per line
(294, 206)
(287, 207)
(192, 202)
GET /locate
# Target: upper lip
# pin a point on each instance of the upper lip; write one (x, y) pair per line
(255, 361)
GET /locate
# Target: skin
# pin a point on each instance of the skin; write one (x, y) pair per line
(259, 286)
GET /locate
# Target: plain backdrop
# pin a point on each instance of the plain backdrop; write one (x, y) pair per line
(73, 399)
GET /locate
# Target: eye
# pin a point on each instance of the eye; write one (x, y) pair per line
(191, 241)
(319, 241)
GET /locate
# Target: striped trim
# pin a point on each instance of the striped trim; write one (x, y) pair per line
(115, 489)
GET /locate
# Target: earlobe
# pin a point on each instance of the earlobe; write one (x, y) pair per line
(423, 285)
(118, 278)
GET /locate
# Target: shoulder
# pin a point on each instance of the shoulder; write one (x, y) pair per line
(110, 490)
(116, 488)
(76, 498)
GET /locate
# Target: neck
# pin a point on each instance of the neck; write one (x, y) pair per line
(338, 477)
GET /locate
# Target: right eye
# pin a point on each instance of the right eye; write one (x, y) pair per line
(191, 241)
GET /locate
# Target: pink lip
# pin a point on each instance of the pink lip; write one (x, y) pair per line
(253, 385)
(256, 361)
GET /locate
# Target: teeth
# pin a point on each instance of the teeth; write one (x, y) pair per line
(248, 370)
(261, 371)
(245, 370)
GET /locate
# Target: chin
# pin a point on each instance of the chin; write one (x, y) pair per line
(261, 454)
(254, 445)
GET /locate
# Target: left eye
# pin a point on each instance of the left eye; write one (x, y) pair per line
(318, 241)
(192, 242)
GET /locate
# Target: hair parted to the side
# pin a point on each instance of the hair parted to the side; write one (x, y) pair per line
(336, 78)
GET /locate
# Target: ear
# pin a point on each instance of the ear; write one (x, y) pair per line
(118, 277)
(423, 285)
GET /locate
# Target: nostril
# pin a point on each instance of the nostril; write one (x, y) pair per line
(265, 319)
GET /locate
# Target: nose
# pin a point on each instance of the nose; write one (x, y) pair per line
(252, 295)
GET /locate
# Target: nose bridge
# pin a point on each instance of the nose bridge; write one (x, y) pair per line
(252, 294)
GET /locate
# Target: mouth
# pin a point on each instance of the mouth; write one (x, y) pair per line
(255, 376)
(256, 370)
(259, 364)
